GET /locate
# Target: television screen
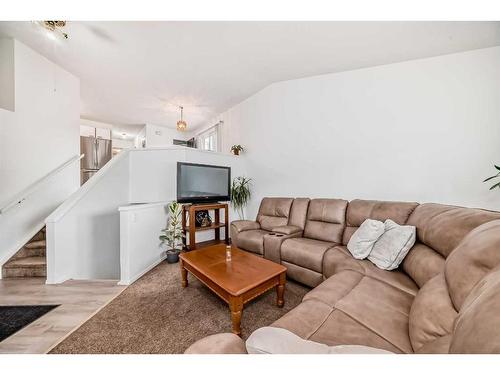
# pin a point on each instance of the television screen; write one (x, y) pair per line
(198, 183)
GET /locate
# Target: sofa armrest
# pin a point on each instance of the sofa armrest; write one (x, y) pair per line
(243, 225)
(222, 343)
(287, 229)
(272, 245)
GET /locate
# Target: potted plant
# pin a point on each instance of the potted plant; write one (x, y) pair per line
(240, 194)
(172, 234)
(236, 149)
(496, 185)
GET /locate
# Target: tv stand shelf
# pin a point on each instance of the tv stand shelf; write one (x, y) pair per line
(191, 228)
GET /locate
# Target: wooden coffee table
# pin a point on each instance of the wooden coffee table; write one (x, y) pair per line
(242, 279)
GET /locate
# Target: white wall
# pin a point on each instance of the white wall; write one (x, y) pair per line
(140, 249)
(40, 135)
(160, 136)
(422, 130)
(83, 239)
(7, 81)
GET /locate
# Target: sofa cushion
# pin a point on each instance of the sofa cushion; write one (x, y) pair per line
(298, 212)
(325, 219)
(392, 246)
(338, 259)
(359, 210)
(443, 227)
(273, 340)
(476, 256)
(352, 309)
(477, 328)
(274, 212)
(305, 252)
(423, 263)
(361, 243)
(252, 240)
(432, 314)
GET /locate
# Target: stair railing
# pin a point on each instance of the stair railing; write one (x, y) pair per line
(21, 197)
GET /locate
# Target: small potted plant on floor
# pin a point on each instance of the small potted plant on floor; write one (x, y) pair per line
(240, 194)
(236, 149)
(172, 234)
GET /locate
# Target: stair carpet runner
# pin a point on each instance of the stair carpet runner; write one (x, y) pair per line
(30, 261)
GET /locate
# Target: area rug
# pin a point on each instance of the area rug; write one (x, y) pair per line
(14, 318)
(156, 315)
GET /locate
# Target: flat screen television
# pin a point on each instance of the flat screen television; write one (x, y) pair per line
(197, 183)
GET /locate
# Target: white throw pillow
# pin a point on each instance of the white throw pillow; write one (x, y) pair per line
(272, 340)
(361, 243)
(392, 247)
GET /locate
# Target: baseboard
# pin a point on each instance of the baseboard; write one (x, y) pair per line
(140, 274)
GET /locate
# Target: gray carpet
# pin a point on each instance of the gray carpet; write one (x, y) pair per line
(156, 315)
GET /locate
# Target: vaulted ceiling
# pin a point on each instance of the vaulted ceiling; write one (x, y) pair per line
(140, 72)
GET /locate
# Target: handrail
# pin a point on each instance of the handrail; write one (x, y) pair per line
(21, 197)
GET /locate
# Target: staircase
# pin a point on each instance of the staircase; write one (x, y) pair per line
(30, 261)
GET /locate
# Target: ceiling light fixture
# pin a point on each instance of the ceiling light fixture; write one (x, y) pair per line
(181, 124)
(54, 27)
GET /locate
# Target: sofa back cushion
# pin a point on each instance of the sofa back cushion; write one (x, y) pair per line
(359, 210)
(326, 219)
(274, 212)
(423, 263)
(432, 313)
(443, 227)
(298, 212)
(477, 327)
(472, 260)
(453, 303)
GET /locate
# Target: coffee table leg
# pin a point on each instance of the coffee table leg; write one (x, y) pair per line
(184, 279)
(280, 290)
(236, 307)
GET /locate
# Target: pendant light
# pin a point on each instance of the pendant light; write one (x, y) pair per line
(181, 124)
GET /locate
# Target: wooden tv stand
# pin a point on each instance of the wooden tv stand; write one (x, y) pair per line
(191, 229)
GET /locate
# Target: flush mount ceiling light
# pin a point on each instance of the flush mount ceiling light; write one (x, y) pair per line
(54, 27)
(181, 124)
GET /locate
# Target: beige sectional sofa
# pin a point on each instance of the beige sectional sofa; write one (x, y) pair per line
(444, 297)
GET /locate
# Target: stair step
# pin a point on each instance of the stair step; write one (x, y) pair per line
(39, 236)
(25, 267)
(40, 244)
(25, 253)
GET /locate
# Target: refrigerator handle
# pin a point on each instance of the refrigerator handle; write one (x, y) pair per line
(96, 154)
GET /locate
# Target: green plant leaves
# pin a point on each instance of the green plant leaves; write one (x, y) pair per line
(497, 185)
(240, 194)
(173, 232)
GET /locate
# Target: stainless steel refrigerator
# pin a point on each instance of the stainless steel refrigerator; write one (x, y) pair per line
(97, 153)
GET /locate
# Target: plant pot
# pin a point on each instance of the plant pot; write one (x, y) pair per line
(236, 152)
(173, 256)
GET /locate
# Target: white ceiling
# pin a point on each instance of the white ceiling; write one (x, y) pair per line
(139, 72)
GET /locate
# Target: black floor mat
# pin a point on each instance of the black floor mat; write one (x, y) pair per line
(13, 318)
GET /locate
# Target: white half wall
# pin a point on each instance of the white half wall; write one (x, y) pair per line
(424, 130)
(83, 240)
(109, 228)
(140, 249)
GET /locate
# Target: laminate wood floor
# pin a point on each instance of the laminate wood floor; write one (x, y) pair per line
(79, 301)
